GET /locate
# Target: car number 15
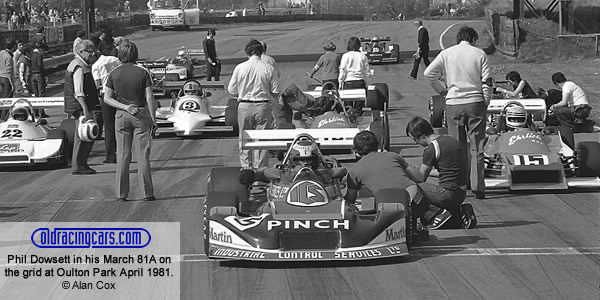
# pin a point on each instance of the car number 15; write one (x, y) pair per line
(531, 160)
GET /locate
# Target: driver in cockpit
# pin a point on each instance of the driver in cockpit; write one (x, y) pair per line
(19, 113)
(192, 88)
(375, 43)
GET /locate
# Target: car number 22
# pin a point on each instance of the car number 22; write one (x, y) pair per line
(11, 133)
(531, 160)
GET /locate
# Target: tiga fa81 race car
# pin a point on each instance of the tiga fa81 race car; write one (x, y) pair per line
(192, 114)
(378, 51)
(303, 216)
(28, 140)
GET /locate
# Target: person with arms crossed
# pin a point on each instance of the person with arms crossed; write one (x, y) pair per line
(254, 84)
(446, 154)
(129, 89)
(467, 89)
(422, 51)
(81, 98)
(213, 64)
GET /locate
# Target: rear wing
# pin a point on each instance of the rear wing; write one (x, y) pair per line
(338, 138)
(36, 102)
(381, 39)
(152, 64)
(535, 107)
(196, 52)
(345, 95)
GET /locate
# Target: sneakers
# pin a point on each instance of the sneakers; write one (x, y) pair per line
(440, 219)
(468, 216)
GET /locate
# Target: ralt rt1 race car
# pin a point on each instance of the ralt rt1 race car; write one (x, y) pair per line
(303, 216)
(26, 140)
(534, 157)
(192, 114)
(378, 51)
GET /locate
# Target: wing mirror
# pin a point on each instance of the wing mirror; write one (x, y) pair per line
(42, 122)
(246, 176)
(206, 94)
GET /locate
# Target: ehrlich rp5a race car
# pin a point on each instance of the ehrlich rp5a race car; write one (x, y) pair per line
(303, 216)
(378, 51)
(28, 140)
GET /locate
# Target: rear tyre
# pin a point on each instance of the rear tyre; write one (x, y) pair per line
(378, 97)
(62, 135)
(437, 111)
(588, 159)
(396, 52)
(566, 135)
(68, 126)
(231, 115)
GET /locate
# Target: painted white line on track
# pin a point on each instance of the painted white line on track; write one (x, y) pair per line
(108, 200)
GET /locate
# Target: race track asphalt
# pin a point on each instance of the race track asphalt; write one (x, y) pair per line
(534, 245)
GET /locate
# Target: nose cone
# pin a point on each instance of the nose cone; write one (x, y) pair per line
(189, 121)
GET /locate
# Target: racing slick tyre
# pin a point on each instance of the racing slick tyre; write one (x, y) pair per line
(566, 135)
(396, 52)
(68, 126)
(60, 134)
(437, 107)
(378, 97)
(231, 115)
(587, 156)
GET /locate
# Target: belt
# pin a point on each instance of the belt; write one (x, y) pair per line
(257, 101)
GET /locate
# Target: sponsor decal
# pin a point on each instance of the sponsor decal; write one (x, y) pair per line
(277, 191)
(391, 234)
(245, 223)
(301, 255)
(531, 136)
(376, 49)
(531, 160)
(237, 253)
(10, 148)
(357, 254)
(335, 119)
(307, 193)
(13, 126)
(308, 224)
(220, 236)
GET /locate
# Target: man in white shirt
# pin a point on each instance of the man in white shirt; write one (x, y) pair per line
(573, 109)
(468, 90)
(269, 59)
(100, 71)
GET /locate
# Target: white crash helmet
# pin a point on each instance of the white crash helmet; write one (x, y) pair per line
(181, 53)
(192, 88)
(375, 39)
(516, 117)
(305, 153)
(87, 131)
(19, 113)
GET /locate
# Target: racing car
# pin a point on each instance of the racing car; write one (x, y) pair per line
(377, 51)
(534, 157)
(27, 140)
(373, 117)
(167, 73)
(303, 216)
(192, 114)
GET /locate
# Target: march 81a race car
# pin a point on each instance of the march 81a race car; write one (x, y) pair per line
(378, 51)
(192, 114)
(532, 157)
(303, 216)
(373, 116)
(27, 140)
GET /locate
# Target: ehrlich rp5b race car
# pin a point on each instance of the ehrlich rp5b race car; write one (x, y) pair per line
(303, 216)
(378, 51)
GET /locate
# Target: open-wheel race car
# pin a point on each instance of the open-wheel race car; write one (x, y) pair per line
(372, 116)
(521, 154)
(378, 51)
(27, 140)
(192, 114)
(302, 216)
(168, 73)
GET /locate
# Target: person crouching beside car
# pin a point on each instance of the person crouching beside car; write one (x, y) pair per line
(573, 109)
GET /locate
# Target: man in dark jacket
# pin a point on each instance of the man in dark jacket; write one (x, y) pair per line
(213, 64)
(81, 98)
(422, 51)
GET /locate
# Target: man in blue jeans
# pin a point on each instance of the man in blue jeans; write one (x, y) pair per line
(446, 154)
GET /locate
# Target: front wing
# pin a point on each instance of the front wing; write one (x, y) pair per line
(25, 152)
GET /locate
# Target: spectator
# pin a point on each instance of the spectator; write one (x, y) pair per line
(446, 154)
(38, 74)
(21, 21)
(521, 88)
(14, 21)
(7, 69)
(269, 59)
(127, 7)
(81, 98)
(254, 84)
(329, 64)
(78, 39)
(422, 49)
(468, 79)
(16, 55)
(213, 64)
(573, 109)
(39, 37)
(129, 89)
(354, 67)
(24, 72)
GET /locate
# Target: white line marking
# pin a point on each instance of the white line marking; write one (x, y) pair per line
(106, 200)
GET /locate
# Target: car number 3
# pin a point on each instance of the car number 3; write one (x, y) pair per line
(189, 105)
(531, 160)
(12, 133)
